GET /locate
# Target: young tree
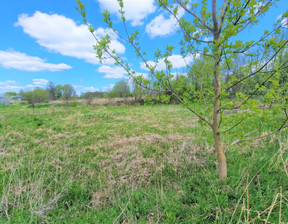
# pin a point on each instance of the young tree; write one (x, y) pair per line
(58, 91)
(138, 92)
(51, 89)
(10, 94)
(35, 96)
(215, 35)
(68, 92)
(89, 96)
(106, 95)
(120, 89)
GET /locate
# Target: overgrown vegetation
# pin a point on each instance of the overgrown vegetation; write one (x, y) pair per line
(137, 164)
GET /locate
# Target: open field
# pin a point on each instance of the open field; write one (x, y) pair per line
(136, 164)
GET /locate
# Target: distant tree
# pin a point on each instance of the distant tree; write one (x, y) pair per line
(107, 95)
(68, 92)
(120, 89)
(51, 89)
(22, 93)
(89, 96)
(138, 92)
(10, 94)
(35, 96)
(58, 91)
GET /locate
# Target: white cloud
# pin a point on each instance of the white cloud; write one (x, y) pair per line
(144, 75)
(283, 20)
(62, 35)
(30, 86)
(8, 82)
(160, 26)
(91, 89)
(24, 62)
(176, 60)
(77, 86)
(135, 10)
(9, 87)
(108, 88)
(115, 72)
(40, 82)
(257, 7)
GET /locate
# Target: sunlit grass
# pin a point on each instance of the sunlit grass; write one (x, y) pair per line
(136, 164)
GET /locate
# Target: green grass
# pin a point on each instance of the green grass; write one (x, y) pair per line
(136, 164)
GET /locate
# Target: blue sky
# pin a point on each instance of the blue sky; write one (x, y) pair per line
(45, 40)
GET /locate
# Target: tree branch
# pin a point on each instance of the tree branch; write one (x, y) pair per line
(195, 15)
(183, 29)
(262, 136)
(214, 16)
(223, 12)
(259, 68)
(250, 95)
(193, 111)
(234, 126)
(239, 17)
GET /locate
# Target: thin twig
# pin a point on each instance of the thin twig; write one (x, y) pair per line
(262, 136)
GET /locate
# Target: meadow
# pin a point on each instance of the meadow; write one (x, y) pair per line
(133, 164)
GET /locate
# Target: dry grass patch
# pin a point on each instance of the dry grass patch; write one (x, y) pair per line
(128, 166)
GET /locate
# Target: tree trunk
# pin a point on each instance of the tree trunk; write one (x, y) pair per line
(221, 158)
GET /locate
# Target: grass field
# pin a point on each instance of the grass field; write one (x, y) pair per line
(136, 164)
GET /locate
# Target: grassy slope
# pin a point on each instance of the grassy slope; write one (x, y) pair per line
(142, 164)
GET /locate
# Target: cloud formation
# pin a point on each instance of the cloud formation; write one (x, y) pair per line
(135, 11)
(8, 85)
(91, 89)
(62, 35)
(283, 20)
(21, 61)
(8, 82)
(108, 87)
(177, 61)
(160, 26)
(40, 82)
(115, 72)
